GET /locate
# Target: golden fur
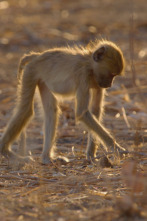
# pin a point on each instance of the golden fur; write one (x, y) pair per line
(80, 72)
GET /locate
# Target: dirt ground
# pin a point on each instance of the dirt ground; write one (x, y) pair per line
(77, 190)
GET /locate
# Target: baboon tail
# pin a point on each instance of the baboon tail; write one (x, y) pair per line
(25, 59)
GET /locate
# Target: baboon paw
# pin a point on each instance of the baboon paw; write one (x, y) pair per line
(27, 159)
(105, 162)
(16, 159)
(22, 160)
(120, 152)
(61, 159)
(90, 158)
(119, 148)
(93, 161)
(46, 160)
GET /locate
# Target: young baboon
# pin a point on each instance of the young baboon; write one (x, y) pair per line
(82, 72)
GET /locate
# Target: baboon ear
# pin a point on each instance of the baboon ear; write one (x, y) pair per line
(99, 54)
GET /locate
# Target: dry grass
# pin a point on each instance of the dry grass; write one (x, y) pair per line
(77, 190)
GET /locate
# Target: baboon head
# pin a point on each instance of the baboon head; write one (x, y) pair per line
(108, 62)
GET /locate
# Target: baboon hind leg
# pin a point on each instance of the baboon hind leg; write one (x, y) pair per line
(50, 108)
(21, 116)
(22, 143)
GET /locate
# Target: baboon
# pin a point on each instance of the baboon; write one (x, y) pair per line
(80, 72)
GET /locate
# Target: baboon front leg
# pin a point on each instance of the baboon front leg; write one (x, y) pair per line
(50, 108)
(92, 124)
(96, 106)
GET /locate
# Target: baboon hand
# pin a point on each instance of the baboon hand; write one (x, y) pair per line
(118, 150)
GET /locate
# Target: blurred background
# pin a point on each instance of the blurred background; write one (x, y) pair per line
(36, 25)
(40, 24)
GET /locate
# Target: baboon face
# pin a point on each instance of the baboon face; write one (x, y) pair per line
(105, 80)
(108, 64)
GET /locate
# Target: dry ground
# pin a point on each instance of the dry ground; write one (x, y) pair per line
(77, 191)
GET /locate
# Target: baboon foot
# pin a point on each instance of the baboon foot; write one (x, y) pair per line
(46, 160)
(102, 161)
(91, 158)
(9, 154)
(61, 159)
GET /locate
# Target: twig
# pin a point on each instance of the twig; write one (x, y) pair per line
(126, 152)
(125, 117)
(132, 44)
(30, 191)
(143, 89)
(28, 178)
